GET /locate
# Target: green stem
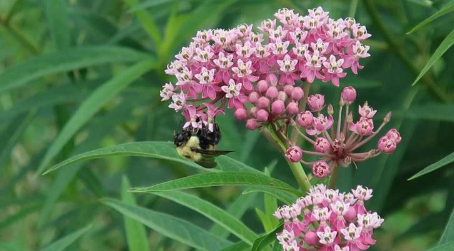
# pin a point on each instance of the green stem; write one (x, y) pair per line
(333, 179)
(300, 175)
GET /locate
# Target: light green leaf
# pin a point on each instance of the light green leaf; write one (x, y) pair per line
(444, 247)
(219, 179)
(57, 20)
(445, 10)
(135, 232)
(170, 226)
(157, 150)
(439, 164)
(8, 247)
(63, 61)
(92, 104)
(239, 246)
(149, 4)
(270, 204)
(286, 197)
(444, 46)
(212, 212)
(435, 112)
(20, 215)
(266, 223)
(448, 234)
(64, 242)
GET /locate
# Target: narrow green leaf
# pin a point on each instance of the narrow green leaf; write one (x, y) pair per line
(270, 204)
(135, 232)
(92, 104)
(263, 242)
(213, 213)
(444, 247)
(8, 247)
(239, 246)
(64, 242)
(149, 4)
(443, 11)
(57, 20)
(435, 112)
(439, 164)
(265, 220)
(448, 234)
(157, 150)
(286, 197)
(63, 61)
(444, 46)
(22, 214)
(170, 226)
(219, 179)
(147, 23)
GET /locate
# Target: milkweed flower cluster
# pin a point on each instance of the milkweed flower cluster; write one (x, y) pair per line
(327, 220)
(334, 142)
(230, 68)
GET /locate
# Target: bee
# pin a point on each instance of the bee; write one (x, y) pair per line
(198, 145)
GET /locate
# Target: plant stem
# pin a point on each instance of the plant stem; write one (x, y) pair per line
(333, 179)
(302, 107)
(300, 175)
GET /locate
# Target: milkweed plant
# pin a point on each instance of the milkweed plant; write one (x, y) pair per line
(265, 76)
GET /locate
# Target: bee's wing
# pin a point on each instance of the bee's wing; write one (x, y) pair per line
(208, 157)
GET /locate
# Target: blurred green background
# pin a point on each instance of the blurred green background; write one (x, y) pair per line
(54, 54)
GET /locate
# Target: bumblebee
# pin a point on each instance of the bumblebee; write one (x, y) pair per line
(198, 145)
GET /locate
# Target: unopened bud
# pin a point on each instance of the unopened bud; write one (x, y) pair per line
(387, 117)
(349, 118)
(330, 109)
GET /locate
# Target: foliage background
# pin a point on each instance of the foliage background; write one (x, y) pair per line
(54, 54)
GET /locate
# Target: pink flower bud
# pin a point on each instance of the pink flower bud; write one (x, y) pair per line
(240, 114)
(277, 107)
(272, 79)
(387, 145)
(272, 92)
(394, 135)
(288, 89)
(351, 214)
(251, 124)
(305, 119)
(363, 127)
(294, 154)
(254, 97)
(348, 95)
(321, 169)
(253, 112)
(322, 145)
(311, 238)
(292, 108)
(282, 96)
(263, 102)
(262, 115)
(262, 86)
(297, 93)
(316, 102)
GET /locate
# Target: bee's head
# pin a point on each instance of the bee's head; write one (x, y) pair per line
(180, 139)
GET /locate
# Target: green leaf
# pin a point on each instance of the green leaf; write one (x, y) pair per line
(57, 20)
(149, 4)
(64, 242)
(439, 164)
(239, 246)
(286, 197)
(22, 214)
(63, 61)
(435, 112)
(135, 232)
(157, 150)
(263, 242)
(92, 104)
(448, 234)
(266, 223)
(444, 247)
(170, 226)
(8, 247)
(212, 212)
(444, 46)
(445, 10)
(219, 179)
(270, 204)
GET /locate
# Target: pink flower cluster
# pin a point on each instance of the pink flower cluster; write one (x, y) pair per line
(334, 142)
(327, 220)
(231, 67)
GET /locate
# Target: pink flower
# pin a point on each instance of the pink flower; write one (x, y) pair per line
(305, 119)
(243, 73)
(224, 63)
(366, 111)
(178, 101)
(167, 91)
(316, 102)
(363, 127)
(322, 145)
(287, 66)
(321, 169)
(321, 124)
(314, 63)
(333, 70)
(233, 93)
(192, 118)
(294, 154)
(348, 95)
(394, 135)
(387, 145)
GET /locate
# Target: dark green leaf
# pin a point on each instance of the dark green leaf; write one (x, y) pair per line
(445, 10)
(439, 164)
(64, 242)
(448, 234)
(263, 242)
(57, 20)
(286, 197)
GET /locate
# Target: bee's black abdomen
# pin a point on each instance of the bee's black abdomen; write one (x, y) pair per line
(181, 138)
(208, 138)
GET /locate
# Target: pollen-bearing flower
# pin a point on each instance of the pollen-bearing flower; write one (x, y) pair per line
(281, 54)
(328, 220)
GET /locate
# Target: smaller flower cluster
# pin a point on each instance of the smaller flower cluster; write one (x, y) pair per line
(335, 141)
(327, 220)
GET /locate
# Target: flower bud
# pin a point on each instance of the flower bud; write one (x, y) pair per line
(292, 108)
(262, 115)
(277, 107)
(321, 169)
(387, 145)
(254, 97)
(253, 111)
(282, 96)
(351, 214)
(311, 238)
(394, 134)
(330, 109)
(294, 154)
(272, 79)
(252, 124)
(348, 95)
(272, 92)
(262, 86)
(322, 145)
(288, 89)
(316, 102)
(263, 102)
(297, 93)
(240, 114)
(305, 119)
(387, 117)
